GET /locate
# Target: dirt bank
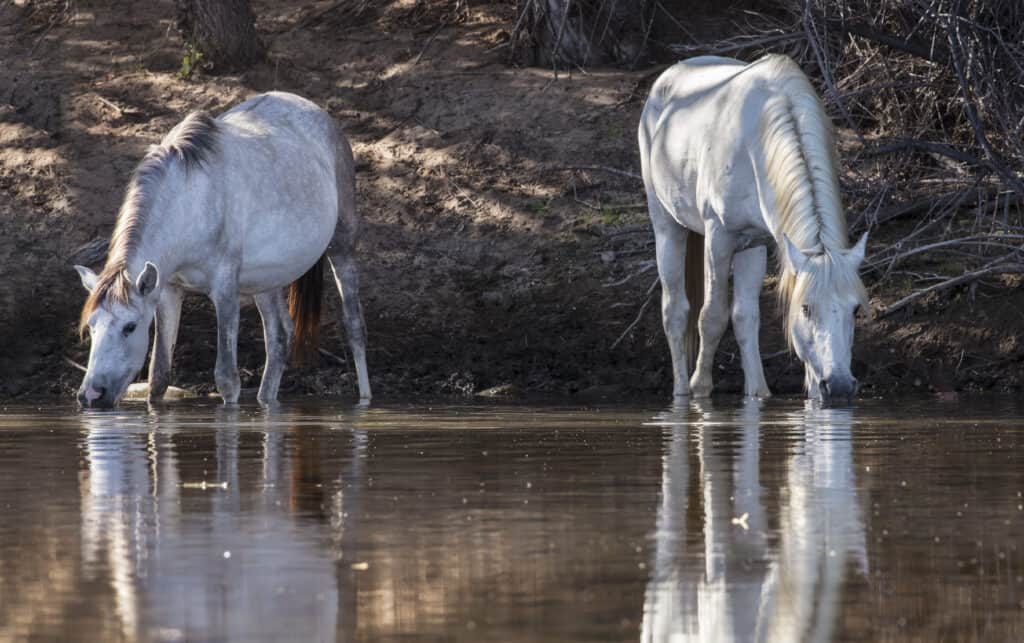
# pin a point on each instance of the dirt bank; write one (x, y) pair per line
(485, 261)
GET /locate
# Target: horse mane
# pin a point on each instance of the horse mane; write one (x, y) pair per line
(190, 145)
(800, 163)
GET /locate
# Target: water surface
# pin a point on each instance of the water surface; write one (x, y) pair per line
(722, 521)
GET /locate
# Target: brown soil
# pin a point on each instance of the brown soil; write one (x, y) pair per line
(485, 262)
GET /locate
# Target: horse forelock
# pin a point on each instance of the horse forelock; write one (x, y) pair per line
(112, 286)
(830, 273)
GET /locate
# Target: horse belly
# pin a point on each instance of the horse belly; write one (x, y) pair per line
(276, 255)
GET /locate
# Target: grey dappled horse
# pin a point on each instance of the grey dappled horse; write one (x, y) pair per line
(235, 206)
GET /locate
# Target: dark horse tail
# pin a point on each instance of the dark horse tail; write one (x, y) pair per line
(305, 296)
(694, 293)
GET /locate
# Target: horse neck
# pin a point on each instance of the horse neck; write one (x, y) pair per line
(798, 163)
(165, 231)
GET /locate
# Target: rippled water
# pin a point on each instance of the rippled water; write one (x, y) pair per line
(718, 522)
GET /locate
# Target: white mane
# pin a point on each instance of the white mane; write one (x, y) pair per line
(800, 161)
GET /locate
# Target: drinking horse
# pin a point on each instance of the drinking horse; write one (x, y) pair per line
(232, 207)
(735, 157)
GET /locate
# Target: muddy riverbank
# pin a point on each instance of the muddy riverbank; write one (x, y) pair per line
(486, 261)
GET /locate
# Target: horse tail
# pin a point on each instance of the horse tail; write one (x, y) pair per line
(694, 293)
(305, 297)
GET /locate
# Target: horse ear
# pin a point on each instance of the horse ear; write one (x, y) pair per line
(146, 282)
(89, 278)
(856, 253)
(793, 259)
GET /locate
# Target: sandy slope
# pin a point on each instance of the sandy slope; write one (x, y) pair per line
(485, 263)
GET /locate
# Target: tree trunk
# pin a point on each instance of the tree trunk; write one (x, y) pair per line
(566, 33)
(222, 31)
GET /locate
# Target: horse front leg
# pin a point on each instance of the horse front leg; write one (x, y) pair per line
(225, 301)
(748, 270)
(346, 276)
(277, 336)
(168, 314)
(714, 316)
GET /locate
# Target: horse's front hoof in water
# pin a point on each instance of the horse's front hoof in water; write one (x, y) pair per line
(700, 388)
(761, 393)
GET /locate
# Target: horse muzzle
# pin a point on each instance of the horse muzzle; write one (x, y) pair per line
(838, 388)
(90, 397)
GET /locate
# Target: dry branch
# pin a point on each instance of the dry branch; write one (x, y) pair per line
(1003, 265)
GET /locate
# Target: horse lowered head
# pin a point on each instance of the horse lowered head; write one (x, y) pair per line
(824, 298)
(118, 314)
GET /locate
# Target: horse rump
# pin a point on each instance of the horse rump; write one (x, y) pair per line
(305, 297)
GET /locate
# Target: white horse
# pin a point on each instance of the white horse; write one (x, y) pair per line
(237, 206)
(734, 156)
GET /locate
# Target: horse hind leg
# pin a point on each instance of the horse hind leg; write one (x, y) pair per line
(346, 276)
(670, 252)
(748, 270)
(342, 254)
(277, 336)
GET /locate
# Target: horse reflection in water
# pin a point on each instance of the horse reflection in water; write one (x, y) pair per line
(191, 563)
(743, 586)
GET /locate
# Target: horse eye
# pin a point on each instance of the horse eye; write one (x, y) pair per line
(129, 329)
(806, 309)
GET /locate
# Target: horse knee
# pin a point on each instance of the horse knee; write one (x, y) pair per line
(713, 317)
(674, 312)
(744, 318)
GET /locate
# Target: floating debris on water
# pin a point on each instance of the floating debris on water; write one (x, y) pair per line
(204, 485)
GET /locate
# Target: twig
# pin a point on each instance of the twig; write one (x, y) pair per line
(112, 105)
(645, 266)
(71, 362)
(428, 43)
(983, 238)
(326, 353)
(638, 229)
(736, 44)
(926, 146)
(989, 269)
(995, 159)
(602, 168)
(639, 315)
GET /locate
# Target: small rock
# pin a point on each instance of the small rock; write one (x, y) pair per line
(607, 257)
(140, 391)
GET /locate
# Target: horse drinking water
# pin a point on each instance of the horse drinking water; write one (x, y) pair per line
(735, 156)
(238, 206)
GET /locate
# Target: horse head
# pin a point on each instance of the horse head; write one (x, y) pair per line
(118, 315)
(823, 299)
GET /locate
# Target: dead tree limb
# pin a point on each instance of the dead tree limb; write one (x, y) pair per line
(992, 268)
